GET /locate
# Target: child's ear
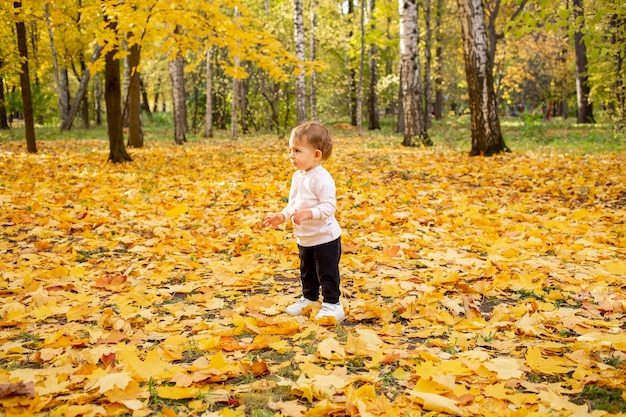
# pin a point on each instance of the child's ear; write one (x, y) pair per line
(318, 153)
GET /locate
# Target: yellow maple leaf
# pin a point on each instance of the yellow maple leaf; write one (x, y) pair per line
(435, 402)
(505, 367)
(331, 349)
(177, 211)
(177, 393)
(552, 366)
(108, 382)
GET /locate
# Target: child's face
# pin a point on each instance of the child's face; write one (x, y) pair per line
(303, 156)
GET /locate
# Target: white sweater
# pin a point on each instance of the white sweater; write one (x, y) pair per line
(314, 190)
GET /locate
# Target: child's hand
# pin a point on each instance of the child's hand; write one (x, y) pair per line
(301, 215)
(273, 220)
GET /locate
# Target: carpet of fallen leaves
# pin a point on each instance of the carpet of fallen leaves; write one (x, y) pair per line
(473, 286)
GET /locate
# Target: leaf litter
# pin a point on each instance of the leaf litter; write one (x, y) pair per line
(473, 286)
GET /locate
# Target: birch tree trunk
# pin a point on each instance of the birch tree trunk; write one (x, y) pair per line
(208, 115)
(359, 106)
(126, 83)
(585, 108)
(427, 67)
(414, 129)
(82, 89)
(177, 76)
(486, 134)
(312, 58)
(372, 103)
(60, 75)
(27, 98)
(300, 74)
(618, 24)
(98, 99)
(439, 61)
(234, 105)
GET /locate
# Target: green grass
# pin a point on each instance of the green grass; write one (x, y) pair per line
(454, 133)
(598, 398)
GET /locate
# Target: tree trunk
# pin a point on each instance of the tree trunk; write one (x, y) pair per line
(135, 132)
(427, 67)
(82, 89)
(359, 106)
(27, 98)
(372, 103)
(208, 114)
(585, 108)
(157, 96)
(85, 100)
(400, 125)
(312, 58)
(4, 123)
(145, 102)
(113, 100)
(300, 75)
(486, 134)
(98, 99)
(439, 61)
(414, 129)
(60, 75)
(234, 106)
(618, 24)
(177, 75)
(126, 84)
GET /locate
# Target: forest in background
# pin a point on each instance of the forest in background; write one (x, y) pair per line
(346, 56)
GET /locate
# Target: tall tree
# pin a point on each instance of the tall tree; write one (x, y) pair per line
(298, 22)
(618, 40)
(372, 102)
(486, 134)
(208, 117)
(312, 58)
(27, 98)
(235, 105)
(439, 60)
(113, 96)
(415, 132)
(585, 108)
(427, 65)
(4, 123)
(82, 90)
(359, 107)
(135, 132)
(60, 74)
(177, 76)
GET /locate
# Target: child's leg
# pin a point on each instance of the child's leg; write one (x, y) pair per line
(327, 258)
(308, 273)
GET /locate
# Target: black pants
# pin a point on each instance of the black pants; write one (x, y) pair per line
(319, 265)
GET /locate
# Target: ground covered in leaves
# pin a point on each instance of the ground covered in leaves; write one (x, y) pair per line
(473, 286)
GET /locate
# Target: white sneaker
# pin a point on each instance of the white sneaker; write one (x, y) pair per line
(331, 310)
(296, 308)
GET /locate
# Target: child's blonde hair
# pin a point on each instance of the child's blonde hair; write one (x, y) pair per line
(316, 135)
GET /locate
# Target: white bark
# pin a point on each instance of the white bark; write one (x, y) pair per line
(177, 76)
(300, 57)
(208, 122)
(60, 76)
(312, 58)
(409, 53)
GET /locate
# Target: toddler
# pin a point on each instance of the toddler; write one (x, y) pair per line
(311, 208)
